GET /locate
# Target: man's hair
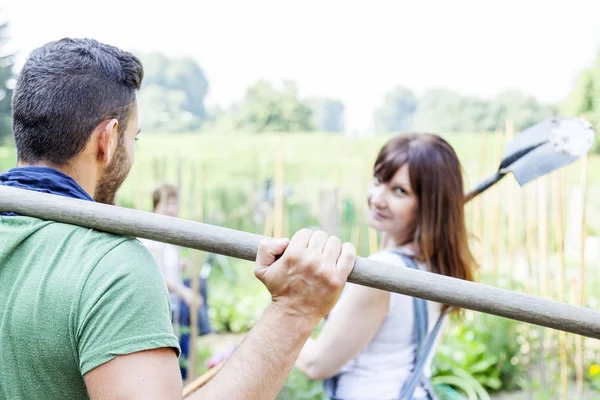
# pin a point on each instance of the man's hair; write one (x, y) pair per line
(65, 90)
(162, 192)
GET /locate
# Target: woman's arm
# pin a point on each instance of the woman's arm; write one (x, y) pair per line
(358, 315)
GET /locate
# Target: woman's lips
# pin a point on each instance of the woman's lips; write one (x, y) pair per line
(377, 215)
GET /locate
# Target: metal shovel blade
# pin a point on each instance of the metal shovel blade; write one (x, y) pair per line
(539, 150)
(547, 146)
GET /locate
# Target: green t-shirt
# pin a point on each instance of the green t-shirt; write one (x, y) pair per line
(72, 299)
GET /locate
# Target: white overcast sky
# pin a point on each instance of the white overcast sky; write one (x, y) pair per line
(350, 49)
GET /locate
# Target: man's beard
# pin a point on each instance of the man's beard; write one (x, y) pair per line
(113, 177)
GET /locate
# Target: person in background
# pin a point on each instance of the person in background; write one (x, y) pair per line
(165, 201)
(416, 203)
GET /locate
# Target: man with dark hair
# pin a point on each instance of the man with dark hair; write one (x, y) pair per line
(85, 314)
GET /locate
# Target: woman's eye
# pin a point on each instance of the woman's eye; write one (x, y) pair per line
(400, 191)
(376, 180)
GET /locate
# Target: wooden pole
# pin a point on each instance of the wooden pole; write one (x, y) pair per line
(373, 246)
(542, 265)
(482, 202)
(512, 213)
(195, 286)
(244, 245)
(531, 219)
(560, 249)
(495, 236)
(279, 169)
(579, 368)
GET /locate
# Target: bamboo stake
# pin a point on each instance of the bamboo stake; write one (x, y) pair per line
(201, 196)
(195, 286)
(481, 201)
(531, 218)
(243, 245)
(512, 210)
(542, 264)
(180, 182)
(278, 216)
(581, 299)
(495, 225)
(560, 248)
(372, 241)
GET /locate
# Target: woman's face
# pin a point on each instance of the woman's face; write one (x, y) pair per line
(393, 206)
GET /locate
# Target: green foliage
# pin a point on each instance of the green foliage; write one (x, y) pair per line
(327, 114)
(267, 109)
(172, 94)
(298, 387)
(466, 362)
(6, 75)
(439, 110)
(584, 99)
(397, 111)
(236, 301)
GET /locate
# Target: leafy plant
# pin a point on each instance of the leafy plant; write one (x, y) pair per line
(477, 356)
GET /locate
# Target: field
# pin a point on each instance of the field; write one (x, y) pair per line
(323, 178)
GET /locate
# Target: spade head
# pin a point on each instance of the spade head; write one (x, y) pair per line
(547, 146)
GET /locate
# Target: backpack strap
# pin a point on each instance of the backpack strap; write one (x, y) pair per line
(425, 342)
(423, 348)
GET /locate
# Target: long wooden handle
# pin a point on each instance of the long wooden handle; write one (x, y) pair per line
(426, 285)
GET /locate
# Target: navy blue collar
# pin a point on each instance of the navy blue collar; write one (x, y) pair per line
(45, 180)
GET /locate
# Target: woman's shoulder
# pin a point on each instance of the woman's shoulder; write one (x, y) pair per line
(387, 256)
(395, 257)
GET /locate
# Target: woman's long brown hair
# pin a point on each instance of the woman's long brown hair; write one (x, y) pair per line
(435, 172)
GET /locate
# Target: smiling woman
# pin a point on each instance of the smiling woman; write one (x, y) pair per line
(416, 202)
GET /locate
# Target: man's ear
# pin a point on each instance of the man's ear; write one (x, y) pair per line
(107, 141)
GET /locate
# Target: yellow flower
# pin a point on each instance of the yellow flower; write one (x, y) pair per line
(594, 369)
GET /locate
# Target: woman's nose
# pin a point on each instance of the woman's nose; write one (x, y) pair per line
(378, 196)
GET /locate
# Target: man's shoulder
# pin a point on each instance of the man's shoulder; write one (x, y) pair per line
(86, 244)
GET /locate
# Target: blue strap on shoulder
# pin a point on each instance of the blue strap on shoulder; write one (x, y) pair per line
(424, 346)
(424, 343)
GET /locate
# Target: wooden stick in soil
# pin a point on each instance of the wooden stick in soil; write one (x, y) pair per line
(581, 300)
(495, 225)
(279, 182)
(195, 286)
(560, 249)
(512, 213)
(531, 218)
(542, 266)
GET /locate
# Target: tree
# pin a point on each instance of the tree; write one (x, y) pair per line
(524, 111)
(173, 93)
(440, 110)
(6, 76)
(327, 114)
(267, 109)
(397, 111)
(584, 99)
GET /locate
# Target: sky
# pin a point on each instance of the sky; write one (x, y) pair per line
(354, 51)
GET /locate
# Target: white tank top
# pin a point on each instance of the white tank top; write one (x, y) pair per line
(380, 369)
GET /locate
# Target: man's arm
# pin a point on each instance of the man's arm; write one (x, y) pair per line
(260, 365)
(305, 284)
(152, 375)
